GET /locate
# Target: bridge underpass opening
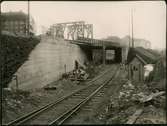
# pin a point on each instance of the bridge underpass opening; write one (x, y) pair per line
(113, 55)
(88, 51)
(110, 55)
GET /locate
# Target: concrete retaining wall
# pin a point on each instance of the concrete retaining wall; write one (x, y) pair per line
(47, 63)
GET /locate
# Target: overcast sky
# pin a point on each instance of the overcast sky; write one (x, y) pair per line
(108, 18)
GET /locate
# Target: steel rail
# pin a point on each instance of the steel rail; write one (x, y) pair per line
(70, 112)
(34, 113)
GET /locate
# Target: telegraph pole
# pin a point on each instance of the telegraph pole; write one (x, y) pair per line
(28, 17)
(129, 28)
(132, 27)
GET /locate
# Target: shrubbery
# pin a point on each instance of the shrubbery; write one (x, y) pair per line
(14, 52)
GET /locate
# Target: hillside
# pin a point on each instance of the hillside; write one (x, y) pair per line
(14, 52)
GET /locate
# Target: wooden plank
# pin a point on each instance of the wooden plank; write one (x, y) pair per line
(132, 119)
(152, 96)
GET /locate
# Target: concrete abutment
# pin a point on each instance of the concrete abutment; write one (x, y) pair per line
(54, 56)
(47, 62)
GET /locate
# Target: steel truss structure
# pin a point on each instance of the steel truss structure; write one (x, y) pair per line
(72, 30)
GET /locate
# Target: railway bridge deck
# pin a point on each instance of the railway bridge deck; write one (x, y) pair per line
(81, 33)
(102, 50)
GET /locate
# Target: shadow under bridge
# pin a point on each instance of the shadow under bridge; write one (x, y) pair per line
(100, 51)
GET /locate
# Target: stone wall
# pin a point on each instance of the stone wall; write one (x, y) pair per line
(47, 63)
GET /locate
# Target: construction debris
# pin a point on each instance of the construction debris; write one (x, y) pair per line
(132, 102)
(152, 115)
(78, 74)
(151, 96)
(133, 118)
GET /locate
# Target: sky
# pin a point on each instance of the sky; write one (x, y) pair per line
(108, 18)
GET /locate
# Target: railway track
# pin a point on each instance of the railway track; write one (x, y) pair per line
(59, 111)
(89, 110)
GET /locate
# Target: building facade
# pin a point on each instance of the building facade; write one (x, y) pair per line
(17, 23)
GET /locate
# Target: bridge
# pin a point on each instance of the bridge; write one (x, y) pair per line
(81, 33)
(94, 43)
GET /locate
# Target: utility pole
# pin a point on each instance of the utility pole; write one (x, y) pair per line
(28, 17)
(132, 27)
(129, 28)
(104, 53)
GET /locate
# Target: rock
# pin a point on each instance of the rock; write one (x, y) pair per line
(131, 86)
(152, 115)
(76, 82)
(85, 77)
(133, 118)
(114, 104)
(160, 102)
(109, 121)
(138, 97)
(115, 120)
(121, 94)
(18, 102)
(50, 88)
(82, 71)
(130, 110)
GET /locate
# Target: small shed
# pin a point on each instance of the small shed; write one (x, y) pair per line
(137, 59)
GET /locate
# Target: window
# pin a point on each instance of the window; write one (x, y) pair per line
(135, 68)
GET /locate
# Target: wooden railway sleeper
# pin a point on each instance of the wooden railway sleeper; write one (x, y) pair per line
(67, 114)
(36, 112)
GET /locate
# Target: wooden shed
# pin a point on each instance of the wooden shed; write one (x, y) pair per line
(137, 59)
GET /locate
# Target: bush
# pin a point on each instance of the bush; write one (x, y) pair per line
(14, 52)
